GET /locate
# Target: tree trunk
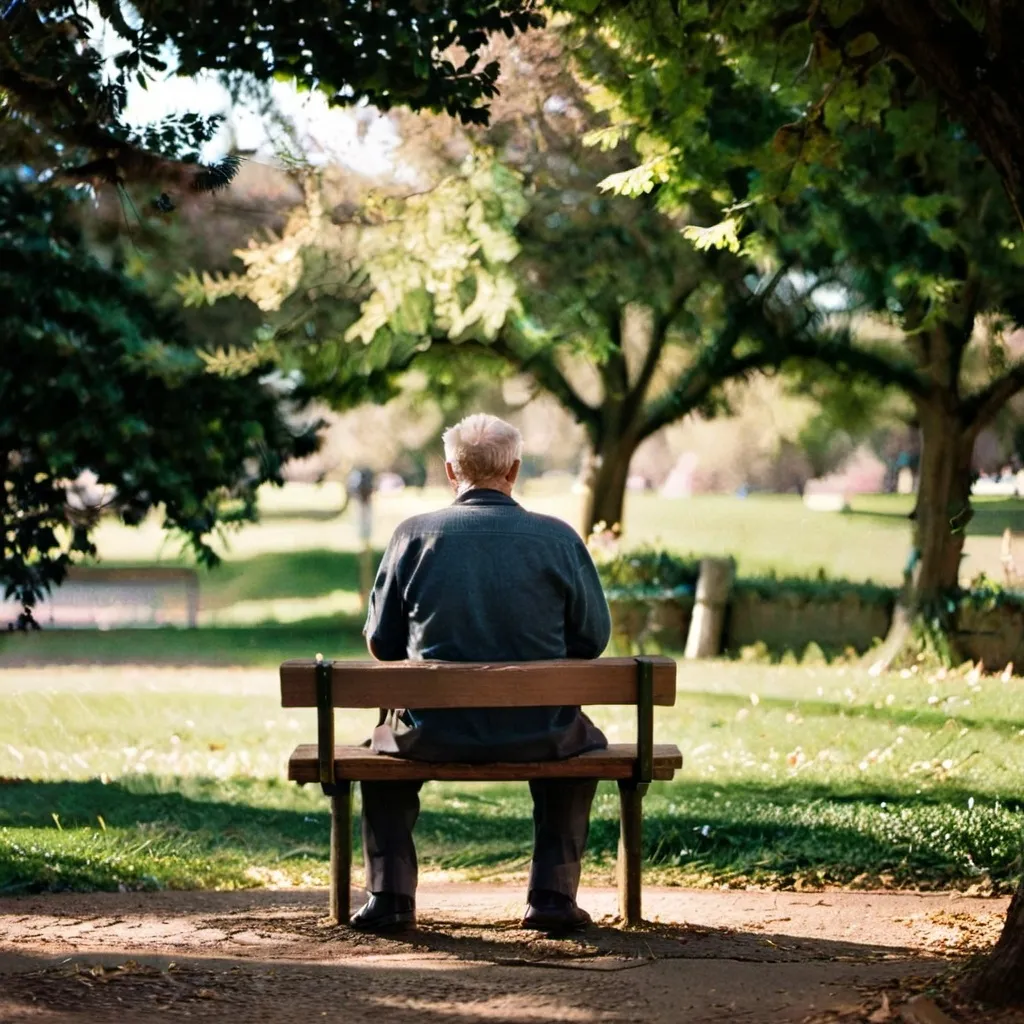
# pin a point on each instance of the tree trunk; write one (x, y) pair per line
(606, 491)
(943, 507)
(1001, 979)
(940, 516)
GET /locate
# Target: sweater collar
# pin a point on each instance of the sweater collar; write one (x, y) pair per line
(484, 496)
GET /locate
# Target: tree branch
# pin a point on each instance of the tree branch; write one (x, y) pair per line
(979, 409)
(715, 365)
(776, 347)
(694, 388)
(838, 355)
(543, 368)
(615, 373)
(539, 365)
(659, 338)
(116, 159)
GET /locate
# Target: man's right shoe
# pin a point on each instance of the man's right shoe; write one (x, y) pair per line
(554, 912)
(385, 912)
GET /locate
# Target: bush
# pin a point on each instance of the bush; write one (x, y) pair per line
(647, 574)
(816, 590)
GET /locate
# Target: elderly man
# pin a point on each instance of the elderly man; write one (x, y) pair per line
(483, 580)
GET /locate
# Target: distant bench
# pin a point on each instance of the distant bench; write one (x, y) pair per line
(325, 685)
(99, 597)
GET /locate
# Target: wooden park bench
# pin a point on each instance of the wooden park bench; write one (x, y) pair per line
(326, 685)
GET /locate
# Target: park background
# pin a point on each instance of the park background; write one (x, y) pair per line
(153, 757)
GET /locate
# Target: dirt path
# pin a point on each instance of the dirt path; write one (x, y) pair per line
(267, 956)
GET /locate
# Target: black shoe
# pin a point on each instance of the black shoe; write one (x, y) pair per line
(385, 912)
(554, 912)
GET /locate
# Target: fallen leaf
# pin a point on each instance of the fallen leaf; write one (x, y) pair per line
(921, 1010)
(883, 1013)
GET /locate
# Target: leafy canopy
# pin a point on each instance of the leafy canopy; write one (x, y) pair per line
(63, 98)
(961, 54)
(866, 185)
(95, 379)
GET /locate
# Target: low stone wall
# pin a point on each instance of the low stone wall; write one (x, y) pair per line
(993, 636)
(782, 621)
(790, 613)
(663, 621)
(791, 621)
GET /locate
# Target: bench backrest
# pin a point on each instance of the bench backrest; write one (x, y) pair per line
(325, 685)
(437, 684)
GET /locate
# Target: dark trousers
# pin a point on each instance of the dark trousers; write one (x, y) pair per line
(561, 821)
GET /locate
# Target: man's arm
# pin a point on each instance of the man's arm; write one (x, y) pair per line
(588, 625)
(387, 620)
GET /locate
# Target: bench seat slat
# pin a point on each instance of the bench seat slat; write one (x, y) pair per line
(425, 684)
(361, 764)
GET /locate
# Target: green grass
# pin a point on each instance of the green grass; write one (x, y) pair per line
(764, 532)
(150, 777)
(148, 770)
(303, 551)
(265, 645)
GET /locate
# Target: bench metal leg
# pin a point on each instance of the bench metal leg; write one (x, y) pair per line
(630, 864)
(341, 852)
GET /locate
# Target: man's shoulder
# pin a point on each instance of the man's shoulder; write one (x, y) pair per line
(422, 523)
(512, 518)
(552, 526)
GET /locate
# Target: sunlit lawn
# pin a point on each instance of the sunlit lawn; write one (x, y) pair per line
(303, 550)
(150, 777)
(140, 775)
(299, 567)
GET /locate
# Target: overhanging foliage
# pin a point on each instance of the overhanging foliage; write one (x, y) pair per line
(95, 378)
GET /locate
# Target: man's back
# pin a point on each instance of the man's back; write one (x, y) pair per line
(485, 580)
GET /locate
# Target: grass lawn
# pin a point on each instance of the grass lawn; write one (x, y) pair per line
(299, 562)
(147, 770)
(288, 586)
(300, 532)
(149, 776)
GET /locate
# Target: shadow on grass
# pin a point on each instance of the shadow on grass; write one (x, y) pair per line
(991, 518)
(336, 637)
(933, 718)
(278, 575)
(87, 835)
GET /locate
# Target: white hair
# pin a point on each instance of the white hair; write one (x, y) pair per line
(482, 448)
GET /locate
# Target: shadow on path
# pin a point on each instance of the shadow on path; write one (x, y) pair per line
(270, 957)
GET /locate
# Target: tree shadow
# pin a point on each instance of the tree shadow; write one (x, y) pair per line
(277, 575)
(991, 517)
(117, 835)
(472, 980)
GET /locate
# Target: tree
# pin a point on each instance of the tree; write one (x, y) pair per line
(903, 217)
(95, 378)
(876, 189)
(63, 99)
(963, 52)
(510, 255)
(626, 325)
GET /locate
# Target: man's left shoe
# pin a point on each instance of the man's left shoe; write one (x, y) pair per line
(385, 912)
(554, 912)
